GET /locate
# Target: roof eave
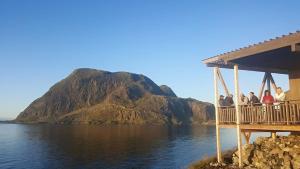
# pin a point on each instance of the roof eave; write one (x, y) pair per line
(279, 42)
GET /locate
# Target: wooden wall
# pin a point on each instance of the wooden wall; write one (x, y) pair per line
(294, 79)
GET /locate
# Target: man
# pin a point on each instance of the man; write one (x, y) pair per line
(229, 100)
(280, 95)
(221, 101)
(253, 99)
(279, 98)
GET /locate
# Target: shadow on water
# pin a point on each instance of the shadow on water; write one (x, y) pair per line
(55, 146)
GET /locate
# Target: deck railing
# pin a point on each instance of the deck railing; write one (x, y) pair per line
(283, 113)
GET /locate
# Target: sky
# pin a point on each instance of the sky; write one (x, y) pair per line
(41, 42)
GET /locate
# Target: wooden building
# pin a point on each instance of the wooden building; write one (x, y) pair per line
(280, 55)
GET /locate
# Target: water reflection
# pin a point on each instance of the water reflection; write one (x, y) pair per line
(54, 146)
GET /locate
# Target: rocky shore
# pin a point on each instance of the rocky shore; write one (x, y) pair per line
(265, 153)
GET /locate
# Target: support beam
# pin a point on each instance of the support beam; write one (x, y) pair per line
(223, 82)
(247, 136)
(268, 82)
(273, 82)
(262, 86)
(295, 47)
(237, 109)
(229, 65)
(216, 92)
(264, 127)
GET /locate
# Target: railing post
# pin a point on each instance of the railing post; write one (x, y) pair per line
(287, 113)
(237, 109)
(219, 155)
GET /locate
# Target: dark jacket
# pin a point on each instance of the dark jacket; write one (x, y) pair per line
(254, 100)
(229, 101)
(222, 103)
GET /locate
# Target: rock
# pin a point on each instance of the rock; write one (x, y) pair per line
(89, 96)
(276, 151)
(167, 91)
(264, 153)
(263, 166)
(286, 149)
(287, 162)
(260, 140)
(215, 164)
(295, 152)
(250, 167)
(246, 154)
(296, 162)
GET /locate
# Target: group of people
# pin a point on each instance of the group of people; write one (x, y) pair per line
(267, 99)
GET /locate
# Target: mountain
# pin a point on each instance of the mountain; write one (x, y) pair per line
(167, 91)
(90, 96)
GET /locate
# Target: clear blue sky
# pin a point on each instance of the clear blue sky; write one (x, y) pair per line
(42, 41)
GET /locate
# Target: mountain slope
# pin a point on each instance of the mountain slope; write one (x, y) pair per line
(89, 96)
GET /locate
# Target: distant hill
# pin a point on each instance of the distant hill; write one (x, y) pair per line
(89, 96)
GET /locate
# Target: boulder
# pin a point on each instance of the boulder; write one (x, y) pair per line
(267, 153)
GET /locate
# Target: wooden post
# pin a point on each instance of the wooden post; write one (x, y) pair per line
(273, 135)
(271, 80)
(237, 109)
(219, 155)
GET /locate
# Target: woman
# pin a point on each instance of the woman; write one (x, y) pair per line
(268, 99)
(243, 100)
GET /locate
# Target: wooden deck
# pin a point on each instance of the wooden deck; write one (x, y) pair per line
(263, 127)
(279, 117)
(279, 55)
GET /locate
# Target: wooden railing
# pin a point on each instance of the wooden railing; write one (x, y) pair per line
(284, 113)
(227, 115)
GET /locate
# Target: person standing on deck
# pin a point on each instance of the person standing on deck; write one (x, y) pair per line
(280, 95)
(229, 100)
(253, 99)
(268, 99)
(279, 98)
(243, 100)
(222, 101)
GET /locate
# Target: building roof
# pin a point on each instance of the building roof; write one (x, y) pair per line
(279, 55)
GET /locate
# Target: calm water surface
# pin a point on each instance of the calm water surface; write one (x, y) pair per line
(90, 147)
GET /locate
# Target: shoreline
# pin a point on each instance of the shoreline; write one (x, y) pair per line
(204, 124)
(208, 123)
(7, 121)
(210, 161)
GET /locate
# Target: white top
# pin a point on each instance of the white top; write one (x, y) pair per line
(280, 97)
(244, 102)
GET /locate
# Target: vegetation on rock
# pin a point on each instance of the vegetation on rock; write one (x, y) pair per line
(90, 96)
